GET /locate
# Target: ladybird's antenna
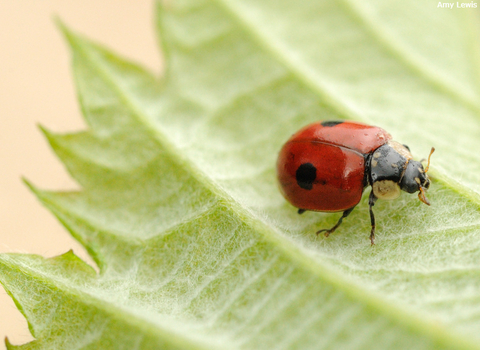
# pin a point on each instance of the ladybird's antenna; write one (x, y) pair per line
(422, 197)
(428, 164)
(421, 190)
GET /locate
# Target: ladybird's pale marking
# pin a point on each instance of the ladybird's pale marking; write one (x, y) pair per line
(401, 149)
(386, 189)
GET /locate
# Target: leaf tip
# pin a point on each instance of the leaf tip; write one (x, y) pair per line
(44, 130)
(52, 138)
(59, 23)
(29, 185)
(48, 134)
(62, 26)
(36, 191)
(69, 260)
(69, 34)
(8, 345)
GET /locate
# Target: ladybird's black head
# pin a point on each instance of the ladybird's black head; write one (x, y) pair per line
(415, 179)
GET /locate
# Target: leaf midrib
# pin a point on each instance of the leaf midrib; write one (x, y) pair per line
(304, 258)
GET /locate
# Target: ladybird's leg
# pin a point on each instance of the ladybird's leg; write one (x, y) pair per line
(301, 211)
(328, 231)
(371, 202)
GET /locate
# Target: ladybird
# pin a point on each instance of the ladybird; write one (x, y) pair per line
(326, 166)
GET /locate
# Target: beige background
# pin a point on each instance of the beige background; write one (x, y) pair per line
(36, 87)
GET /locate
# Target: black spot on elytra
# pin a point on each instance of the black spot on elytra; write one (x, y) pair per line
(330, 123)
(305, 175)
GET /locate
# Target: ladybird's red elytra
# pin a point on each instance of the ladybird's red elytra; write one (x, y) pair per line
(326, 166)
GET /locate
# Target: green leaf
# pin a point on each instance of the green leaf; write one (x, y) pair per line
(179, 205)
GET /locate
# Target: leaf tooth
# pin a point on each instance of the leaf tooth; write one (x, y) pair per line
(73, 263)
(105, 106)
(9, 345)
(83, 46)
(66, 154)
(81, 235)
(88, 156)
